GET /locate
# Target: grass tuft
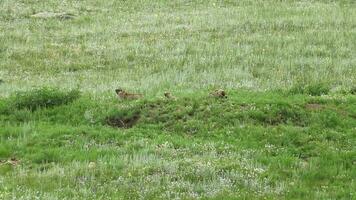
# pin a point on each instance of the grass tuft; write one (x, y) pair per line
(45, 97)
(315, 89)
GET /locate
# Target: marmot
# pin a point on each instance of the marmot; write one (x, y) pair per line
(168, 95)
(220, 93)
(121, 94)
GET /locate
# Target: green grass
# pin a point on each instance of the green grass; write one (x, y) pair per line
(286, 131)
(151, 46)
(251, 145)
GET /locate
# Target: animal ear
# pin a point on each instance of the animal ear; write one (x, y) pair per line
(118, 90)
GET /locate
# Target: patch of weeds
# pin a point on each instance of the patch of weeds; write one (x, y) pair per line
(174, 115)
(45, 156)
(275, 114)
(4, 109)
(317, 89)
(5, 168)
(314, 107)
(319, 101)
(330, 119)
(5, 151)
(297, 89)
(23, 115)
(82, 111)
(42, 98)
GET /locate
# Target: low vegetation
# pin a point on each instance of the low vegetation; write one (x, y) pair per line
(287, 129)
(249, 145)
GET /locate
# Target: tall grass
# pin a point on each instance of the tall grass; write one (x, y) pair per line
(152, 46)
(285, 131)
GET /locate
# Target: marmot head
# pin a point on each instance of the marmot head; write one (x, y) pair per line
(119, 90)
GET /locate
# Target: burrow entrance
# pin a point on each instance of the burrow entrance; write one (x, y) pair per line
(122, 122)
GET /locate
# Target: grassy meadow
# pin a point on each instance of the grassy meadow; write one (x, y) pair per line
(287, 129)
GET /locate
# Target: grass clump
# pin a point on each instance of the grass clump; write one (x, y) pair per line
(316, 89)
(275, 114)
(45, 97)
